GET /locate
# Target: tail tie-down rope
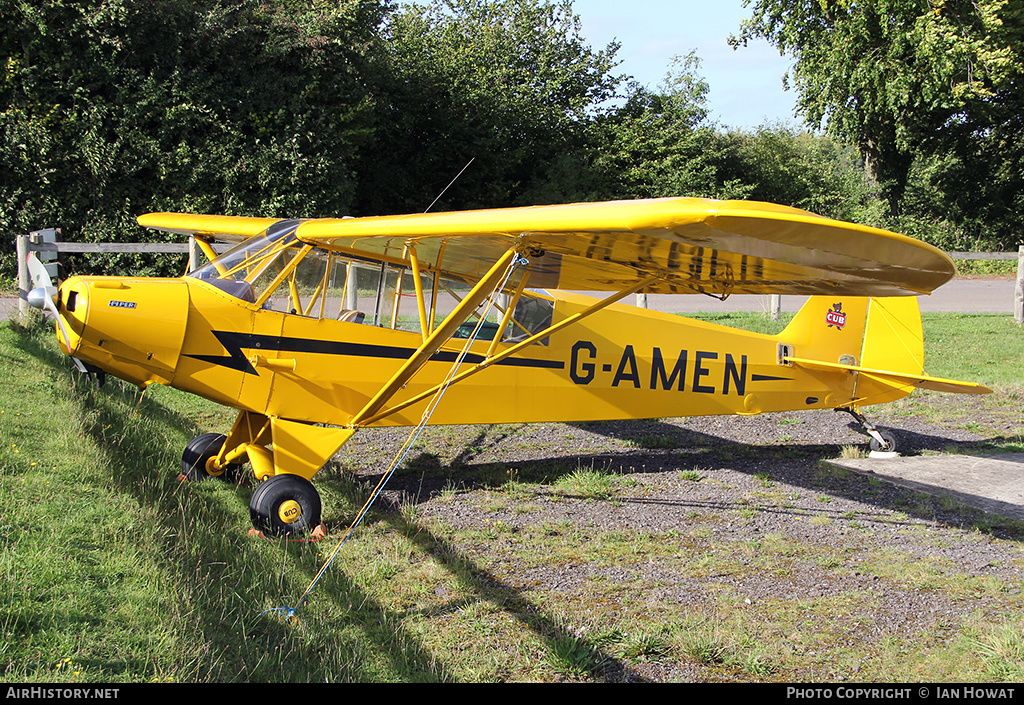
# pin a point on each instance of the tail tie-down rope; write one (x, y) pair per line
(290, 612)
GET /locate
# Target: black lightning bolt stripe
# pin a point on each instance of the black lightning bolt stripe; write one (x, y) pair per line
(234, 343)
(767, 378)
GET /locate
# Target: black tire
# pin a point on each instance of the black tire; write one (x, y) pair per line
(285, 505)
(198, 451)
(890, 442)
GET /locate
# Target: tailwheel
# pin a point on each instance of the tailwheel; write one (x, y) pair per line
(285, 505)
(886, 441)
(882, 440)
(195, 461)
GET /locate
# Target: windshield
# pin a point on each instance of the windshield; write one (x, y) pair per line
(236, 271)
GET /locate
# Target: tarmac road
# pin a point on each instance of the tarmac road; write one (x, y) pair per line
(958, 296)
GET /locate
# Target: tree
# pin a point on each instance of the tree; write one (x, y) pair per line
(111, 108)
(660, 143)
(971, 178)
(893, 77)
(795, 167)
(508, 84)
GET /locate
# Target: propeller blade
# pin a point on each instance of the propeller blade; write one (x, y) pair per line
(42, 297)
(37, 273)
(41, 282)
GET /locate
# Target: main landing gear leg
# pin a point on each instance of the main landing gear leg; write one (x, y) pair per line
(881, 439)
(284, 456)
(196, 460)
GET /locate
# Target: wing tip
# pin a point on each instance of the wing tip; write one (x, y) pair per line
(232, 226)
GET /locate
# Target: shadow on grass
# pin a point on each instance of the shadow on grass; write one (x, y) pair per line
(224, 578)
(350, 636)
(784, 448)
(199, 523)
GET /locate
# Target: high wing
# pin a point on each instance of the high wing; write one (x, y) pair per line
(695, 245)
(692, 245)
(230, 228)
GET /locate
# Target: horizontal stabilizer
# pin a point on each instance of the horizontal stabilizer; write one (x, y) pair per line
(921, 381)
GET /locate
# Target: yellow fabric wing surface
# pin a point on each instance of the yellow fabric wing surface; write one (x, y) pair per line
(694, 245)
(222, 227)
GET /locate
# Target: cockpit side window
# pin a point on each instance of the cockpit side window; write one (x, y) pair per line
(532, 314)
(298, 286)
(280, 273)
(277, 272)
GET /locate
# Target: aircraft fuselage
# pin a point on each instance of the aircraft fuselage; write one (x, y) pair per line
(621, 362)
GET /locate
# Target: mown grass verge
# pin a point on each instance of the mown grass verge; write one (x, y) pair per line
(114, 572)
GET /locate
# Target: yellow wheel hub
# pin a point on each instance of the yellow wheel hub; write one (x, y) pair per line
(212, 469)
(289, 511)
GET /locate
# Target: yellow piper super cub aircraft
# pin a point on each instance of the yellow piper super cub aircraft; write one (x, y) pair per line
(313, 329)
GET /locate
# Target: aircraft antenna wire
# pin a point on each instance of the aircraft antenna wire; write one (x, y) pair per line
(449, 184)
(409, 442)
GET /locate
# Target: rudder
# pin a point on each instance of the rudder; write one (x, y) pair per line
(856, 332)
(893, 341)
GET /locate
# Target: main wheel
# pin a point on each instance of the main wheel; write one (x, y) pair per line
(890, 442)
(197, 454)
(285, 505)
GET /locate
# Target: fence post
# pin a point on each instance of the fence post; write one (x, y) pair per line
(641, 300)
(1018, 291)
(775, 304)
(24, 280)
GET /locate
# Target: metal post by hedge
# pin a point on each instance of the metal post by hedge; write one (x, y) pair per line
(1018, 291)
(24, 280)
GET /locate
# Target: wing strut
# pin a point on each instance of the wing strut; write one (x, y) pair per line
(492, 359)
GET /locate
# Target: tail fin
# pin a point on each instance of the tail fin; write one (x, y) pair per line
(877, 340)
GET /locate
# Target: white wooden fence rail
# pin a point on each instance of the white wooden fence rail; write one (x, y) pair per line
(37, 242)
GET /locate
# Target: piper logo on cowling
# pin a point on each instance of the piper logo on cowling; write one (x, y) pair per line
(122, 304)
(836, 318)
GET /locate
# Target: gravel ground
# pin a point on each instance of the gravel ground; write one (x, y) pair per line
(767, 463)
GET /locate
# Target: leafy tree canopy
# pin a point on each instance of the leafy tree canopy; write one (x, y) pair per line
(111, 108)
(894, 77)
(508, 84)
(304, 108)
